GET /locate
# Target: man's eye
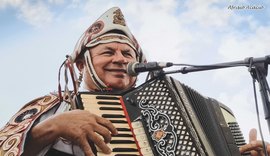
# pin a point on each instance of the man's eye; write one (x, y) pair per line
(107, 53)
(127, 54)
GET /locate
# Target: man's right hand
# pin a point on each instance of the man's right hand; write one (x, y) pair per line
(78, 126)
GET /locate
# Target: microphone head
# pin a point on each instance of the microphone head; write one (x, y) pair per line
(131, 68)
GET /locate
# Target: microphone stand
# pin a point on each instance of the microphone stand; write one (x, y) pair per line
(258, 68)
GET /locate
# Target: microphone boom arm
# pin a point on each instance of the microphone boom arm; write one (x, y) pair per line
(246, 62)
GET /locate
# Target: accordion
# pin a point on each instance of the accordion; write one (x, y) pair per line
(164, 117)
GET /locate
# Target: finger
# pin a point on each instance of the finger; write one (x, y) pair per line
(244, 148)
(107, 124)
(83, 143)
(254, 145)
(254, 153)
(99, 142)
(104, 132)
(252, 135)
(259, 144)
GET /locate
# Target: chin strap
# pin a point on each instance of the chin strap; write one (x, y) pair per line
(97, 81)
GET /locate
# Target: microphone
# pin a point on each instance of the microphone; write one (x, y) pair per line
(134, 68)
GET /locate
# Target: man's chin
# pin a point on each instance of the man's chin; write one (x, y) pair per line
(118, 83)
(118, 86)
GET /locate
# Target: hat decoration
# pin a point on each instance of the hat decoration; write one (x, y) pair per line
(109, 27)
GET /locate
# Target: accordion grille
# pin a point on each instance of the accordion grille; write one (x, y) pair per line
(158, 96)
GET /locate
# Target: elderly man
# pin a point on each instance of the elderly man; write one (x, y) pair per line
(101, 56)
(52, 125)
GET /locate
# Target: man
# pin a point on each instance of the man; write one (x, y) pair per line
(51, 125)
(45, 124)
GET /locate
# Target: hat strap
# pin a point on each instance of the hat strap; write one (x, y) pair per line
(97, 81)
(68, 68)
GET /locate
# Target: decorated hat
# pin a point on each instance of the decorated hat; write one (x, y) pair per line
(109, 27)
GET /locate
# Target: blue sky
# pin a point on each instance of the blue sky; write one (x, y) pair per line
(35, 36)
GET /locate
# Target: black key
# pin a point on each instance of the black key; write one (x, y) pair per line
(112, 116)
(107, 97)
(109, 108)
(122, 142)
(108, 103)
(126, 155)
(123, 129)
(123, 135)
(118, 121)
(125, 150)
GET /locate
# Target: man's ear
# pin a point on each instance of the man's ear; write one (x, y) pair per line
(80, 64)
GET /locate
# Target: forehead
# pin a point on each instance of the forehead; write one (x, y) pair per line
(112, 46)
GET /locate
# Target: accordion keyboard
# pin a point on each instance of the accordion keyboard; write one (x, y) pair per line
(111, 108)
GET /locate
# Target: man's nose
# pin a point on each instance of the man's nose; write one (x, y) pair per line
(120, 58)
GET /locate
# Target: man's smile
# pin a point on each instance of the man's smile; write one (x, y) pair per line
(117, 70)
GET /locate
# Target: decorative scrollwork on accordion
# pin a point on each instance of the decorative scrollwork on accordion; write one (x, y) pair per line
(159, 132)
(180, 121)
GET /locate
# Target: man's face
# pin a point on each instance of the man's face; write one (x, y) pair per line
(110, 62)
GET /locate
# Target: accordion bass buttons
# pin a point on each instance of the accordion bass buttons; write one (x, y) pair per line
(141, 138)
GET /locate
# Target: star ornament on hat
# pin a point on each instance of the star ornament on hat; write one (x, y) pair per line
(109, 27)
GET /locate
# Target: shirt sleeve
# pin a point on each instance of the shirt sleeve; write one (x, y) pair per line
(13, 135)
(58, 144)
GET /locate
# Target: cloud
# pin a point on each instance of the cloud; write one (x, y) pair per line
(211, 13)
(56, 1)
(157, 29)
(238, 45)
(162, 40)
(10, 3)
(36, 14)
